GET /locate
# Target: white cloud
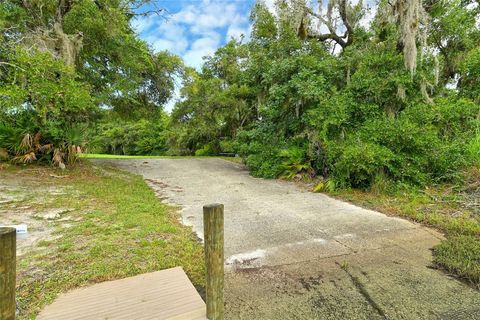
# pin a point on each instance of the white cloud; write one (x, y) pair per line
(141, 24)
(201, 48)
(236, 32)
(196, 30)
(270, 4)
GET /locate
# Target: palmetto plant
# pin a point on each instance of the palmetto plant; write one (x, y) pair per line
(24, 147)
(30, 148)
(295, 164)
(20, 146)
(72, 146)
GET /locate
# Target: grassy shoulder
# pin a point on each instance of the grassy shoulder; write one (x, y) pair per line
(452, 209)
(115, 156)
(120, 229)
(118, 156)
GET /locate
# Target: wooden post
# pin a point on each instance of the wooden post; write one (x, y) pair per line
(8, 242)
(213, 233)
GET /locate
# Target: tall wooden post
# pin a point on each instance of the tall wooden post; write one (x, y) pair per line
(213, 233)
(8, 242)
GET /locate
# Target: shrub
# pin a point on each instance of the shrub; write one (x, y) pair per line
(21, 146)
(43, 108)
(209, 149)
(227, 146)
(295, 163)
(141, 137)
(474, 149)
(328, 185)
(261, 153)
(356, 163)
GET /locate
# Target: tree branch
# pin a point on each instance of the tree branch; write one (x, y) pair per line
(343, 14)
(343, 40)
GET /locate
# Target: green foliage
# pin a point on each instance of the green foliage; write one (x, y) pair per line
(474, 149)
(62, 63)
(208, 149)
(42, 108)
(328, 185)
(350, 117)
(294, 163)
(134, 137)
(471, 75)
(356, 163)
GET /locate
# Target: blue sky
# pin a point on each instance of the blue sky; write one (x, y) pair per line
(194, 28)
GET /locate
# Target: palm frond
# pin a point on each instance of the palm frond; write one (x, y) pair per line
(26, 143)
(57, 157)
(28, 157)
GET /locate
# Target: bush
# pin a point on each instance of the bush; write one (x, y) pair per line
(208, 149)
(474, 149)
(261, 153)
(295, 163)
(43, 109)
(227, 146)
(141, 137)
(21, 146)
(356, 163)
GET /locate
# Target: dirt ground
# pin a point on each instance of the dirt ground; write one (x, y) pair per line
(26, 198)
(292, 254)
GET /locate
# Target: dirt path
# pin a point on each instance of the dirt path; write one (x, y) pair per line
(292, 254)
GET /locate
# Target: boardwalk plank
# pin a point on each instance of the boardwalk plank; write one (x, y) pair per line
(166, 294)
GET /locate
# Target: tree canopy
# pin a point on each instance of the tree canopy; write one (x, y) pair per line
(63, 63)
(329, 90)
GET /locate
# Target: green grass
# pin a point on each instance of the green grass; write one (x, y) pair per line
(115, 156)
(447, 208)
(460, 255)
(125, 230)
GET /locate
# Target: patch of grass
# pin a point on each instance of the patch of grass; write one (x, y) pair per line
(233, 159)
(114, 156)
(460, 255)
(452, 209)
(424, 207)
(124, 231)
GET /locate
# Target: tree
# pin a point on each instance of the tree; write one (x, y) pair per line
(63, 61)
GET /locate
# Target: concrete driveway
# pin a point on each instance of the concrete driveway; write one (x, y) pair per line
(292, 254)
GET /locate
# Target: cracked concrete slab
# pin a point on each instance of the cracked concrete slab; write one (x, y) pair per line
(292, 254)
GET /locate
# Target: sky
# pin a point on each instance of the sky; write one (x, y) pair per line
(193, 29)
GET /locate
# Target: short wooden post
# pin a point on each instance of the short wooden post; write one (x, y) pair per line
(8, 242)
(213, 233)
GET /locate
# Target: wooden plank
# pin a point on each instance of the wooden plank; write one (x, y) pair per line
(166, 294)
(214, 259)
(8, 240)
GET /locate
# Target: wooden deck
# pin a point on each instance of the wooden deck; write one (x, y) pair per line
(166, 294)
